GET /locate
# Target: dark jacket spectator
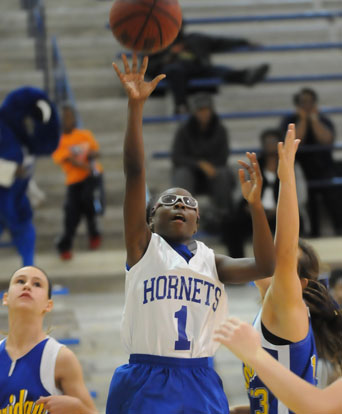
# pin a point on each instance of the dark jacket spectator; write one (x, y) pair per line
(189, 57)
(315, 130)
(200, 152)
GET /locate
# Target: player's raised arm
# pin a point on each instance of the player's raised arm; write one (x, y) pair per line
(262, 265)
(298, 395)
(137, 233)
(284, 300)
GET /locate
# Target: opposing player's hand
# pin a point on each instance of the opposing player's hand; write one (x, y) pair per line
(287, 154)
(61, 404)
(251, 188)
(133, 81)
(239, 337)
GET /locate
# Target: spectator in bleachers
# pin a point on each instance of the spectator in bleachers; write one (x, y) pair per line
(76, 154)
(189, 57)
(315, 129)
(238, 227)
(199, 156)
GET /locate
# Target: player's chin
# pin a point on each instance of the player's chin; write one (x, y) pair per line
(181, 232)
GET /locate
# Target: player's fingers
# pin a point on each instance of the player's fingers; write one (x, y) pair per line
(242, 177)
(143, 66)
(234, 321)
(290, 135)
(244, 165)
(257, 170)
(220, 338)
(125, 62)
(43, 400)
(134, 63)
(297, 143)
(117, 70)
(280, 149)
(257, 174)
(157, 79)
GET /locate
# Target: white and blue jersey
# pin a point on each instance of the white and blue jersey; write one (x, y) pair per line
(24, 380)
(172, 307)
(299, 357)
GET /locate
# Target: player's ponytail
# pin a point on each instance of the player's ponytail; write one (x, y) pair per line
(326, 318)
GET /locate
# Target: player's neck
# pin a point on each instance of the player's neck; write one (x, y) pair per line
(24, 333)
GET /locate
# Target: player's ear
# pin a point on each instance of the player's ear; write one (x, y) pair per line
(151, 222)
(49, 306)
(304, 282)
(197, 222)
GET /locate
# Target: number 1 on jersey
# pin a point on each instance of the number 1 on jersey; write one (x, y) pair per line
(182, 344)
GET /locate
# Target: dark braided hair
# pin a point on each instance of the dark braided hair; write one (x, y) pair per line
(326, 317)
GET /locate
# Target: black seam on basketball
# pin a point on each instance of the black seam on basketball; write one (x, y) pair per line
(159, 29)
(145, 23)
(129, 17)
(165, 13)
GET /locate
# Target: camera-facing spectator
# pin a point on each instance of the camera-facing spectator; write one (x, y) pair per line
(238, 227)
(315, 129)
(199, 156)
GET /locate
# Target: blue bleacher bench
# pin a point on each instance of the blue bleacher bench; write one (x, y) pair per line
(329, 110)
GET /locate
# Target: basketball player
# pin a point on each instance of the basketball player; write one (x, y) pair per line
(35, 370)
(175, 295)
(300, 396)
(284, 323)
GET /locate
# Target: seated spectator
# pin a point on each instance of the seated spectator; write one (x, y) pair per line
(315, 129)
(76, 154)
(189, 57)
(238, 227)
(199, 156)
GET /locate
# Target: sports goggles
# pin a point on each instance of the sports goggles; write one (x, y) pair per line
(171, 199)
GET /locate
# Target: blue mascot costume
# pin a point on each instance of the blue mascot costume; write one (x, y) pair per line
(29, 126)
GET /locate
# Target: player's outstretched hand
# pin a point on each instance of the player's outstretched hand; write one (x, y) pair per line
(133, 81)
(61, 404)
(239, 337)
(251, 188)
(287, 154)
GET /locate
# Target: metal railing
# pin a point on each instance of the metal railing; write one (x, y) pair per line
(37, 30)
(62, 90)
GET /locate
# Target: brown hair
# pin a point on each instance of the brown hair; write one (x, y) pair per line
(326, 317)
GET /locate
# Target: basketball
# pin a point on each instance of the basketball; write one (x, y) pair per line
(146, 26)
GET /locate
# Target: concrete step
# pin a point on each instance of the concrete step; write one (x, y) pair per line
(17, 55)
(13, 22)
(13, 80)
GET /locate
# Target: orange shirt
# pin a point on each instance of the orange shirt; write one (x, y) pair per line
(77, 144)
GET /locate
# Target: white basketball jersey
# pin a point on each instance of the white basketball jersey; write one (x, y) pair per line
(173, 307)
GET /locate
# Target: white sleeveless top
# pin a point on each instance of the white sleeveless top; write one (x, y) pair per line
(173, 307)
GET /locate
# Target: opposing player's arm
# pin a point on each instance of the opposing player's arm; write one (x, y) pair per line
(262, 265)
(137, 232)
(69, 379)
(285, 290)
(284, 311)
(297, 394)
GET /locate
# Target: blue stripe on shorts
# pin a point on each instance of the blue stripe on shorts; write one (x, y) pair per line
(151, 384)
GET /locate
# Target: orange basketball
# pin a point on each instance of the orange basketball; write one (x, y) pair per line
(146, 26)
